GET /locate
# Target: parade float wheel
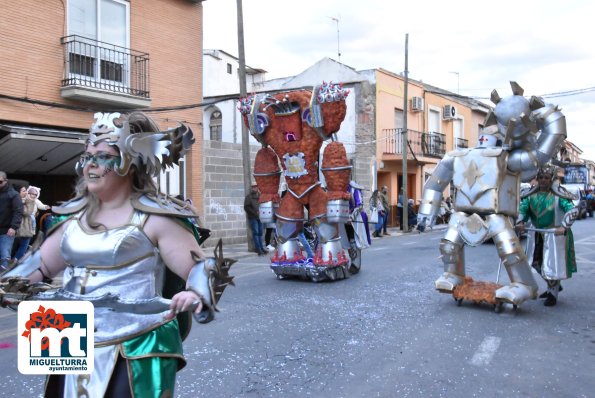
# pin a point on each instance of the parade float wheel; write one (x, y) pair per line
(498, 307)
(459, 302)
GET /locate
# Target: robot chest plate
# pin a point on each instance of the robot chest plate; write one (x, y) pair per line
(294, 165)
(484, 184)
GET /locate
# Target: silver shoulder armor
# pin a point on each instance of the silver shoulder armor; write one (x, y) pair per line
(525, 192)
(163, 205)
(563, 192)
(70, 207)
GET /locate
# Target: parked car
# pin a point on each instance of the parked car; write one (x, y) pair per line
(590, 199)
(580, 202)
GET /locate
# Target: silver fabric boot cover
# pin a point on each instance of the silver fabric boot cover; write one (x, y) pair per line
(453, 257)
(523, 285)
(289, 248)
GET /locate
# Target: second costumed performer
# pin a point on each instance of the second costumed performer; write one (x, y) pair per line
(291, 127)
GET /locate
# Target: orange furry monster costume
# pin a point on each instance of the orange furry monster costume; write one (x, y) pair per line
(292, 126)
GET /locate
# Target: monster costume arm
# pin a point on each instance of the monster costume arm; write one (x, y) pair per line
(432, 196)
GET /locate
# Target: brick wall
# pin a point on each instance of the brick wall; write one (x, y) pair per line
(32, 66)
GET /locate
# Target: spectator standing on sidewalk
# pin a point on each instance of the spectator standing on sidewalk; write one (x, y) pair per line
(251, 209)
(27, 229)
(386, 205)
(376, 203)
(11, 213)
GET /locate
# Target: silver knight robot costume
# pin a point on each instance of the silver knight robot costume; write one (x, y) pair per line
(487, 181)
(123, 271)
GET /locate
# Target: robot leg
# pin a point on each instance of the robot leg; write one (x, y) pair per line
(453, 257)
(523, 285)
(330, 251)
(287, 241)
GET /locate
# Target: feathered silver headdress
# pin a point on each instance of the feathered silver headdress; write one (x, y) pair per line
(139, 141)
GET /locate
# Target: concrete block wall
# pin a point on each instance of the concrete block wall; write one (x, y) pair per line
(365, 133)
(223, 202)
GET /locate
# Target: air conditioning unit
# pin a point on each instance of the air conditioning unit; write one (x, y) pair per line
(449, 112)
(417, 104)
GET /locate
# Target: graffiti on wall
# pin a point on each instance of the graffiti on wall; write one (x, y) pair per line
(218, 209)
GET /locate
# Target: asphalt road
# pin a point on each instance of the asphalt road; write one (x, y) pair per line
(382, 333)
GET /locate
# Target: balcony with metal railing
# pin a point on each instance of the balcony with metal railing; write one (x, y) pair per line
(461, 143)
(100, 72)
(419, 143)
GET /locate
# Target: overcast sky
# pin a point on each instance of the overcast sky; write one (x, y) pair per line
(466, 46)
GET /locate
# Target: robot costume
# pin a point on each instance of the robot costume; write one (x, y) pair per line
(520, 136)
(121, 271)
(551, 255)
(291, 127)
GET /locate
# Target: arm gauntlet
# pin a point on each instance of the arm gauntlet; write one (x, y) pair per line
(199, 281)
(29, 264)
(569, 217)
(208, 278)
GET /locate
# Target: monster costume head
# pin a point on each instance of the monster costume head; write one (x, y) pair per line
(139, 141)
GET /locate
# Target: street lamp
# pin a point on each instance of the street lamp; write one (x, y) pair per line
(338, 48)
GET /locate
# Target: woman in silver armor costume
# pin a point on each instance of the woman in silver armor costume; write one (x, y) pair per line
(120, 236)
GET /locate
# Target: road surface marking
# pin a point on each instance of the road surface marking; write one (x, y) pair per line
(484, 354)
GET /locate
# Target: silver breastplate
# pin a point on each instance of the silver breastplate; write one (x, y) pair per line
(484, 184)
(121, 261)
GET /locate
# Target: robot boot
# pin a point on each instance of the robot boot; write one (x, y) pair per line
(454, 266)
(516, 293)
(523, 286)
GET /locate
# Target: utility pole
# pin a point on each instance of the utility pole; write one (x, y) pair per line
(338, 48)
(245, 136)
(404, 137)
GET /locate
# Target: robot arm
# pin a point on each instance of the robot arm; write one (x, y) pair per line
(432, 196)
(552, 124)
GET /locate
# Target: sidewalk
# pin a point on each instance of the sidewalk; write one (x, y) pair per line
(240, 250)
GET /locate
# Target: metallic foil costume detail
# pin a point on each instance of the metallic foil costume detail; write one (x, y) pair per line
(139, 141)
(487, 181)
(209, 278)
(292, 127)
(558, 259)
(121, 272)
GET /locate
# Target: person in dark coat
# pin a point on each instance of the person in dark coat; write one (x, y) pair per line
(251, 209)
(11, 214)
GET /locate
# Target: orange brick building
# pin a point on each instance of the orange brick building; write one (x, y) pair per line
(63, 60)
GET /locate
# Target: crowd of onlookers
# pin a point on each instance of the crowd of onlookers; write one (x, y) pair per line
(20, 208)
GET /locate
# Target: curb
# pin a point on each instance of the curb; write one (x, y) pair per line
(238, 251)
